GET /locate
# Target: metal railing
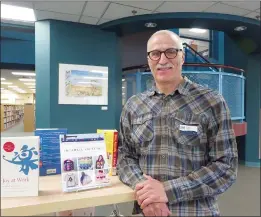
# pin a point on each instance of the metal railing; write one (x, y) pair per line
(230, 85)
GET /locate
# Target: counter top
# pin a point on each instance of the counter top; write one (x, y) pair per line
(52, 199)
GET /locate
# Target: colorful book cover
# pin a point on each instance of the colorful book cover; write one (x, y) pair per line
(111, 140)
(19, 166)
(83, 162)
(50, 161)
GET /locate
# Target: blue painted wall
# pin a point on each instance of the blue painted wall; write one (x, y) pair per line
(17, 45)
(253, 85)
(235, 56)
(218, 47)
(72, 43)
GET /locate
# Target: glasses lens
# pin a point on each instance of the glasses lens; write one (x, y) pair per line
(154, 55)
(171, 53)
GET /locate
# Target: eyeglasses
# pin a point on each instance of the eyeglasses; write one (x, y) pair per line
(170, 53)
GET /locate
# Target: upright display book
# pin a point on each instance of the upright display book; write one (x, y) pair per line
(50, 162)
(84, 163)
(111, 140)
(19, 166)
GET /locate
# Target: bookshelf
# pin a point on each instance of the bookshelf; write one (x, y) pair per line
(11, 115)
(29, 117)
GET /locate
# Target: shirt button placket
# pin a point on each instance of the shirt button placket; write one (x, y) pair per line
(164, 164)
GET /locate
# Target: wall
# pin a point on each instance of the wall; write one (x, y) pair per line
(248, 145)
(233, 54)
(17, 45)
(64, 42)
(253, 93)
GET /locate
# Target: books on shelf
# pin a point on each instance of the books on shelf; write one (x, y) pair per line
(50, 162)
(84, 163)
(19, 166)
(11, 115)
(111, 140)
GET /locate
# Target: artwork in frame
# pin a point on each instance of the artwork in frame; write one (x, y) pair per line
(83, 84)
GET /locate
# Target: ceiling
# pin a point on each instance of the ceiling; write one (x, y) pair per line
(98, 12)
(14, 79)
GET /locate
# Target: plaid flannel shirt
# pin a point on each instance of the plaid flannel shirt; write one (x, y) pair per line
(185, 140)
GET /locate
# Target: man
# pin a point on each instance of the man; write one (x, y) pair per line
(177, 148)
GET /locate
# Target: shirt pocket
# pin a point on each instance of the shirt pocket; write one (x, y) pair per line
(189, 136)
(142, 129)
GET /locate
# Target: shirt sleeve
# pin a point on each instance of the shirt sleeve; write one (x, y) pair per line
(128, 168)
(221, 171)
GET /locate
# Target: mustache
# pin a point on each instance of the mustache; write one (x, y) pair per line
(165, 66)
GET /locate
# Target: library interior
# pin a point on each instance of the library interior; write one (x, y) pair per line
(70, 69)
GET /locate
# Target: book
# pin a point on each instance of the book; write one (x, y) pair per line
(19, 166)
(50, 162)
(83, 162)
(111, 140)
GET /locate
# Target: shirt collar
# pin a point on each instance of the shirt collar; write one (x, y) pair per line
(183, 88)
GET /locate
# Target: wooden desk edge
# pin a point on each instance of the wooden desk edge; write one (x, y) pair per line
(67, 205)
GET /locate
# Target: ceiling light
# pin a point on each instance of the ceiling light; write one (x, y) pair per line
(197, 30)
(240, 28)
(26, 79)
(6, 83)
(31, 87)
(123, 79)
(11, 12)
(150, 25)
(19, 90)
(29, 83)
(24, 73)
(12, 86)
(2, 79)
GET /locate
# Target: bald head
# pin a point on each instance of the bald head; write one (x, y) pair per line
(161, 35)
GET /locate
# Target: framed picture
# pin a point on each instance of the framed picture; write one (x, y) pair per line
(83, 84)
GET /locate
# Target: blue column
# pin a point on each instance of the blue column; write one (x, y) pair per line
(253, 77)
(43, 74)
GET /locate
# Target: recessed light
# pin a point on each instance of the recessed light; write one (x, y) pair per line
(11, 12)
(240, 28)
(150, 25)
(26, 79)
(29, 83)
(24, 73)
(2, 79)
(197, 30)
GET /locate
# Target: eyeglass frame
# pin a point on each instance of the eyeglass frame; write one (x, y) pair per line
(177, 50)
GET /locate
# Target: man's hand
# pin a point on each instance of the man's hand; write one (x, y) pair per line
(156, 209)
(150, 191)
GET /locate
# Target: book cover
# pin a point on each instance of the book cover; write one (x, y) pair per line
(50, 161)
(111, 140)
(19, 166)
(83, 162)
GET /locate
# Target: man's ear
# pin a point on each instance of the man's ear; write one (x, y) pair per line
(183, 57)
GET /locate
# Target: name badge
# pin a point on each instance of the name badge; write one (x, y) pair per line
(188, 129)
